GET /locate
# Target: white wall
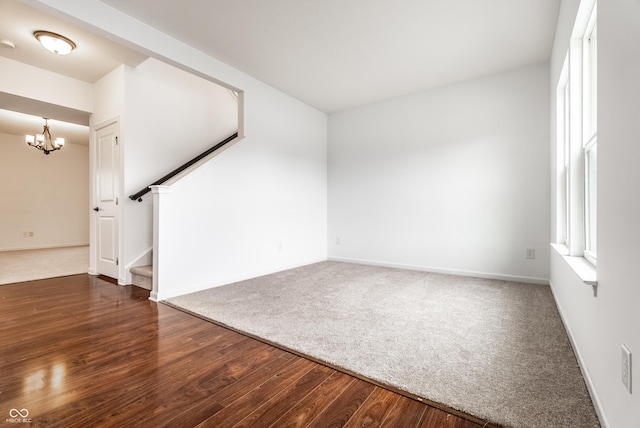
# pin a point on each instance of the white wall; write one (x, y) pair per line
(454, 179)
(270, 188)
(108, 93)
(258, 208)
(170, 117)
(599, 325)
(26, 81)
(166, 117)
(46, 195)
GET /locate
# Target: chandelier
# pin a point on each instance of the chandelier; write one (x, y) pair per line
(44, 141)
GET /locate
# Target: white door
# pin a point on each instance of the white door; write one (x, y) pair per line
(107, 198)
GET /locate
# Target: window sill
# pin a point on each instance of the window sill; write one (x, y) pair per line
(585, 270)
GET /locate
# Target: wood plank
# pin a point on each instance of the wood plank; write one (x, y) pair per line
(465, 423)
(148, 382)
(247, 403)
(279, 404)
(436, 418)
(167, 385)
(344, 405)
(315, 402)
(192, 398)
(246, 384)
(406, 413)
(374, 410)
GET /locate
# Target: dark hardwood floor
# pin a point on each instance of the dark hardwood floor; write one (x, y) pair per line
(80, 351)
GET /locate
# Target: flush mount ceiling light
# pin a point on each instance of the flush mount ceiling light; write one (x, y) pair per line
(44, 141)
(59, 45)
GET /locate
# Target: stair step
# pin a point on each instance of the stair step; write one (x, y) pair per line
(141, 276)
(143, 270)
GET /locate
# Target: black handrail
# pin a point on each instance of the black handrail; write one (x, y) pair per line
(138, 196)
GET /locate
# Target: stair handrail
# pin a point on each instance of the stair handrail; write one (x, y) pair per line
(138, 195)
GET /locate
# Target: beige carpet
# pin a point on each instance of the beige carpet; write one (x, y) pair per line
(494, 349)
(30, 265)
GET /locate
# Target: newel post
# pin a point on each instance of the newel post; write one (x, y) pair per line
(160, 193)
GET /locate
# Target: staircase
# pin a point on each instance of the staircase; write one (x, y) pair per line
(141, 276)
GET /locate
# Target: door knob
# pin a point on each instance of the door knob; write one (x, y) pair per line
(96, 209)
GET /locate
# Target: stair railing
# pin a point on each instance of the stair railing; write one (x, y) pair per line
(138, 195)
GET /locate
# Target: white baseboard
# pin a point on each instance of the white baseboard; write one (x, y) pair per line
(46, 247)
(502, 277)
(597, 404)
(155, 296)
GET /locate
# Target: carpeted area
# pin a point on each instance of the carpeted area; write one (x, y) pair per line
(30, 265)
(493, 349)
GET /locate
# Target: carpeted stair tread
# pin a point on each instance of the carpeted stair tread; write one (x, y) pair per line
(143, 271)
(141, 276)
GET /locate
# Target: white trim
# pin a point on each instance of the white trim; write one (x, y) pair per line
(576, 188)
(458, 272)
(585, 270)
(597, 404)
(590, 131)
(590, 157)
(158, 297)
(45, 247)
(140, 257)
(93, 194)
(591, 257)
(143, 259)
(593, 140)
(562, 154)
(585, 10)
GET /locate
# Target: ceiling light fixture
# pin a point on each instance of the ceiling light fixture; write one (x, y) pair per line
(44, 141)
(59, 45)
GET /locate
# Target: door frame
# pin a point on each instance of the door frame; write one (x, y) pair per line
(93, 198)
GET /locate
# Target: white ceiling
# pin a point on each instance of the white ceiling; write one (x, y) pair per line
(330, 54)
(93, 58)
(336, 54)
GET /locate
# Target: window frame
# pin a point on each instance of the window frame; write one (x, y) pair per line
(590, 134)
(576, 140)
(563, 154)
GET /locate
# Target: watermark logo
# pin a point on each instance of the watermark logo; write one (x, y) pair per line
(19, 416)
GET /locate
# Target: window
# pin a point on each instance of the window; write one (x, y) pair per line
(577, 141)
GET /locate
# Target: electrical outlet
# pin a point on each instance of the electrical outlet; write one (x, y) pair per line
(626, 367)
(531, 253)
